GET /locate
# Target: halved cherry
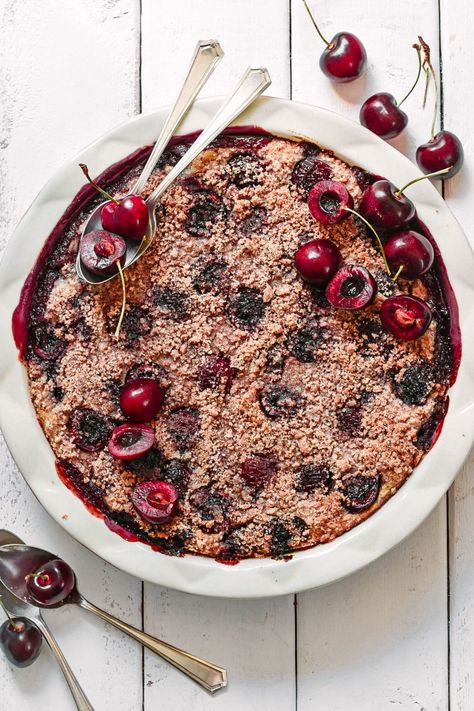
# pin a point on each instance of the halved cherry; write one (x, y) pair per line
(131, 441)
(101, 250)
(406, 317)
(155, 501)
(327, 201)
(352, 287)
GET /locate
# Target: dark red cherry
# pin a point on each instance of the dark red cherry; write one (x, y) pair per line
(258, 469)
(360, 492)
(141, 399)
(384, 206)
(381, 115)
(344, 59)
(127, 217)
(52, 583)
(155, 501)
(409, 250)
(352, 287)
(131, 441)
(317, 261)
(406, 317)
(443, 151)
(101, 250)
(89, 429)
(327, 200)
(20, 641)
(216, 371)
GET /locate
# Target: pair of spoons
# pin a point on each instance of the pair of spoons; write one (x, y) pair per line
(19, 561)
(206, 56)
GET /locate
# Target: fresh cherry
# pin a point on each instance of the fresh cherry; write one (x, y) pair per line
(20, 641)
(155, 501)
(352, 287)
(383, 205)
(382, 115)
(127, 217)
(317, 261)
(444, 150)
(101, 250)
(406, 317)
(409, 253)
(51, 584)
(131, 441)
(141, 399)
(328, 200)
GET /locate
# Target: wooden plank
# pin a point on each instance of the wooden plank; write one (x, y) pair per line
(254, 640)
(379, 639)
(457, 25)
(69, 73)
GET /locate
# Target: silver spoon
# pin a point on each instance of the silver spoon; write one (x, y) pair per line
(208, 675)
(207, 55)
(19, 608)
(252, 84)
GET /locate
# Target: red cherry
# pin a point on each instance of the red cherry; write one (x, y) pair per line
(383, 205)
(141, 399)
(409, 250)
(352, 287)
(131, 441)
(155, 501)
(327, 201)
(317, 261)
(344, 59)
(443, 151)
(21, 641)
(52, 583)
(406, 317)
(128, 217)
(101, 250)
(381, 115)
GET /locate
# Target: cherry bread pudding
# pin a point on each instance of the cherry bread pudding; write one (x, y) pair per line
(277, 376)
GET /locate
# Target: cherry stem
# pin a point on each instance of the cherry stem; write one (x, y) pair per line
(12, 621)
(423, 177)
(315, 24)
(376, 235)
(100, 190)
(418, 51)
(124, 300)
(398, 272)
(428, 67)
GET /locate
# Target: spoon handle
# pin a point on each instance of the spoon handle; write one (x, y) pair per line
(206, 56)
(252, 84)
(82, 702)
(208, 675)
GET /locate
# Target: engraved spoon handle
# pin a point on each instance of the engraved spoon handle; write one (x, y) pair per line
(82, 702)
(208, 675)
(252, 84)
(205, 58)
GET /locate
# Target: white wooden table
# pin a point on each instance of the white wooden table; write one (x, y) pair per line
(398, 635)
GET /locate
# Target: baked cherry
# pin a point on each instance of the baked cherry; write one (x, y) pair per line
(141, 399)
(383, 205)
(409, 254)
(308, 171)
(155, 501)
(344, 58)
(258, 469)
(89, 429)
(444, 150)
(406, 317)
(327, 201)
(360, 492)
(101, 250)
(216, 370)
(51, 584)
(352, 287)
(131, 441)
(20, 641)
(317, 261)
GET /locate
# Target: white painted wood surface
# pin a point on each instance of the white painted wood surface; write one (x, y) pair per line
(377, 641)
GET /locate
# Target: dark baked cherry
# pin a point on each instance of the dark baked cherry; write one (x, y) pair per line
(100, 251)
(314, 476)
(279, 401)
(178, 473)
(141, 399)
(172, 155)
(383, 205)
(216, 370)
(255, 222)
(246, 307)
(171, 303)
(208, 274)
(327, 201)
(155, 501)
(89, 430)
(406, 317)
(51, 584)
(148, 465)
(349, 418)
(429, 431)
(303, 343)
(410, 252)
(352, 287)
(280, 539)
(208, 208)
(21, 641)
(131, 441)
(444, 150)
(210, 505)
(245, 169)
(382, 115)
(183, 425)
(275, 359)
(127, 217)
(258, 469)
(363, 177)
(360, 492)
(414, 386)
(136, 323)
(46, 344)
(308, 171)
(149, 369)
(317, 261)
